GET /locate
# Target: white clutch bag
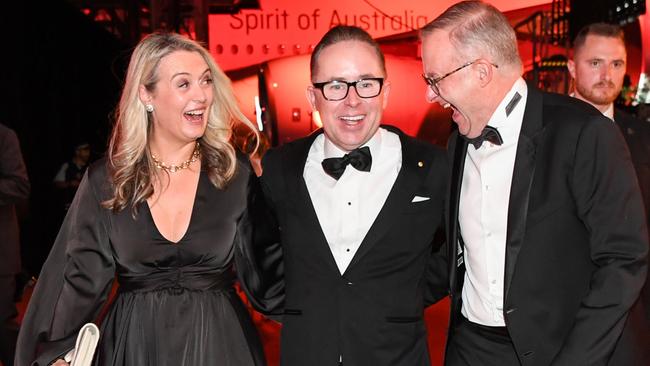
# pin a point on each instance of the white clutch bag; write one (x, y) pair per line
(84, 349)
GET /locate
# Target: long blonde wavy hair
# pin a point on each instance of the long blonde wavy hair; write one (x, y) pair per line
(129, 161)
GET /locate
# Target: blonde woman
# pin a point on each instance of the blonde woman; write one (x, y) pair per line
(168, 215)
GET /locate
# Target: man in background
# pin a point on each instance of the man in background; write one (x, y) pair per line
(69, 176)
(598, 70)
(14, 187)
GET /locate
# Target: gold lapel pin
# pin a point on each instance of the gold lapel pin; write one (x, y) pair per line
(420, 164)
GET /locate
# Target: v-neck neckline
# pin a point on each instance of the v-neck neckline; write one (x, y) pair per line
(189, 225)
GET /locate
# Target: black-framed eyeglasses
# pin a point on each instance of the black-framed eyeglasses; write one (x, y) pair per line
(338, 89)
(433, 82)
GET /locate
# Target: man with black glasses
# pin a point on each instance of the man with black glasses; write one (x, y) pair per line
(358, 205)
(547, 239)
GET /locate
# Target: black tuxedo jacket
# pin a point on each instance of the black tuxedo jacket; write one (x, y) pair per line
(577, 240)
(373, 313)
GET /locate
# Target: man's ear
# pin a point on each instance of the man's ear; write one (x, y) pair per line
(571, 66)
(485, 72)
(385, 92)
(311, 97)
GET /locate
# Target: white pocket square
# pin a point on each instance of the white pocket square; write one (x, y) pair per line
(420, 199)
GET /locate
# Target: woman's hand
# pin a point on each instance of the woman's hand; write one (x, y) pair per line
(60, 362)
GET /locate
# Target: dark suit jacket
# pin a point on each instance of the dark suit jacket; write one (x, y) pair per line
(637, 137)
(14, 186)
(373, 313)
(577, 240)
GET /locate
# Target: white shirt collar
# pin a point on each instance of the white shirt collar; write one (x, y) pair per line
(499, 117)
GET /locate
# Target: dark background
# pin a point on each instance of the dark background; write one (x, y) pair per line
(61, 77)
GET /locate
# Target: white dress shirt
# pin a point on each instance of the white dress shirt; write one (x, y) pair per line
(483, 213)
(346, 208)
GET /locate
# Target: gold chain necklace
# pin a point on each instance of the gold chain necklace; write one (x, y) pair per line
(174, 168)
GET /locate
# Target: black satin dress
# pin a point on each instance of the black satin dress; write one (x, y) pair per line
(175, 304)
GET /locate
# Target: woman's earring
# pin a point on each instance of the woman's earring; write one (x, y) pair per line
(149, 107)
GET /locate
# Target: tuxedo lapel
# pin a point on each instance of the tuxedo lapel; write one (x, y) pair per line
(522, 178)
(398, 199)
(459, 148)
(301, 201)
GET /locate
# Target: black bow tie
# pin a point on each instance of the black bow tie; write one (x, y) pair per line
(359, 158)
(489, 134)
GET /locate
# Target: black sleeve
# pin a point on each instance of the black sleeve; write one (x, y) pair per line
(609, 203)
(73, 285)
(258, 256)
